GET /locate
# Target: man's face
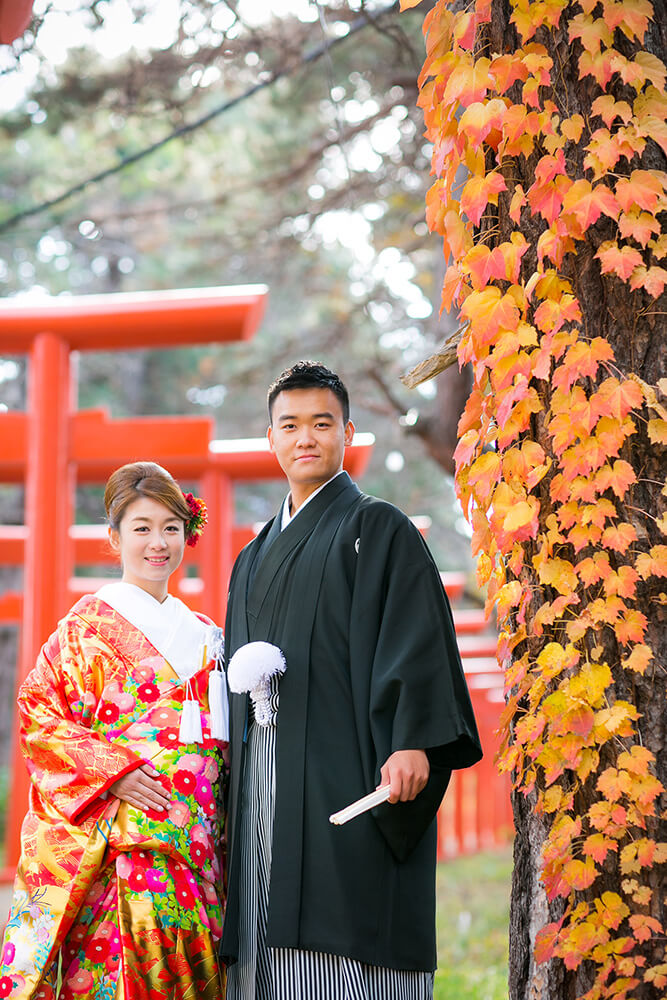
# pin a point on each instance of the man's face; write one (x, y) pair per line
(308, 437)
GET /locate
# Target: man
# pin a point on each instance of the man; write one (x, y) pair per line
(372, 693)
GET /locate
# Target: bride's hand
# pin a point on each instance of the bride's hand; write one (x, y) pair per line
(141, 789)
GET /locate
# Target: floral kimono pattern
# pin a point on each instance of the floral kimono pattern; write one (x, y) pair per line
(109, 901)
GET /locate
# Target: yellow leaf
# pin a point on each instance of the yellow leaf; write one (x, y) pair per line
(639, 658)
(657, 431)
(573, 127)
(407, 4)
(521, 515)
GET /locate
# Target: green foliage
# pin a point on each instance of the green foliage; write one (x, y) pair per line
(473, 927)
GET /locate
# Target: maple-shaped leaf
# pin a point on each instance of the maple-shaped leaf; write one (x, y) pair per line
(521, 519)
(586, 203)
(614, 783)
(572, 128)
(640, 226)
(619, 537)
(592, 32)
(559, 574)
(631, 16)
(653, 279)
(639, 659)
(623, 582)
(614, 721)
(580, 874)
(483, 474)
(636, 760)
(468, 82)
(632, 628)
(488, 310)
(554, 242)
(599, 65)
(653, 562)
(609, 109)
(621, 261)
(644, 926)
(478, 192)
(597, 846)
(545, 941)
(616, 399)
(641, 189)
(582, 361)
(653, 69)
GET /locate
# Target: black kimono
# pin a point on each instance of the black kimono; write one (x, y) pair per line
(351, 595)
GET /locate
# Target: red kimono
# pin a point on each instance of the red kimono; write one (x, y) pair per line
(110, 901)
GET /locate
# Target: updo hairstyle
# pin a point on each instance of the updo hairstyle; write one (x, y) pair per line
(142, 479)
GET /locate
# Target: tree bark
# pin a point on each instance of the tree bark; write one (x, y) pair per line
(634, 324)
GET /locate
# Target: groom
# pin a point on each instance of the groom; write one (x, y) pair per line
(373, 694)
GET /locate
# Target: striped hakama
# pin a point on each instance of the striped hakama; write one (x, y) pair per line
(263, 973)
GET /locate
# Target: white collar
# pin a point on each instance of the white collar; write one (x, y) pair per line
(286, 516)
(171, 627)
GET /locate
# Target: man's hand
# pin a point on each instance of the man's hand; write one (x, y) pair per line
(141, 789)
(406, 771)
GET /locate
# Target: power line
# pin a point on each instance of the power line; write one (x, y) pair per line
(309, 57)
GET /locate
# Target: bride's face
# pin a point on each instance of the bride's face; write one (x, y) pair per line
(150, 541)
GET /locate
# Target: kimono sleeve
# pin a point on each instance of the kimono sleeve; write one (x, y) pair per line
(69, 763)
(418, 694)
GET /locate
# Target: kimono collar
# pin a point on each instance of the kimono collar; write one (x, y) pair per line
(170, 627)
(286, 517)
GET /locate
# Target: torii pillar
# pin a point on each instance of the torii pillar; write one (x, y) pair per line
(47, 332)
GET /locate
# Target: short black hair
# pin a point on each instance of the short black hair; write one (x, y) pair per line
(309, 375)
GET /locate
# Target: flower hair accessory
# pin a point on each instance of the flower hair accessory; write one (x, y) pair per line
(198, 518)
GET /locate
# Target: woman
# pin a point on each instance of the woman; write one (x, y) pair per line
(117, 893)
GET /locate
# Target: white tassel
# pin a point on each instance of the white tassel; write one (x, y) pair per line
(250, 669)
(190, 730)
(218, 705)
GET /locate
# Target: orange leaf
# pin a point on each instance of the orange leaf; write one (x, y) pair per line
(521, 519)
(631, 16)
(591, 32)
(632, 628)
(614, 783)
(479, 118)
(478, 192)
(617, 399)
(547, 199)
(621, 261)
(644, 926)
(636, 759)
(639, 226)
(623, 583)
(581, 361)
(639, 659)
(610, 109)
(573, 127)
(653, 279)
(642, 189)
(653, 562)
(407, 4)
(587, 203)
(611, 907)
(580, 874)
(468, 83)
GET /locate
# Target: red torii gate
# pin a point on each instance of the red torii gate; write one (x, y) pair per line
(53, 446)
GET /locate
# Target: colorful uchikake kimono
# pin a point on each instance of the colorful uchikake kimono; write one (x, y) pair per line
(110, 901)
